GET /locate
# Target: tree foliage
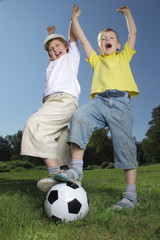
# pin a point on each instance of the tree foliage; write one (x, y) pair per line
(99, 149)
(151, 144)
(10, 148)
(15, 144)
(5, 150)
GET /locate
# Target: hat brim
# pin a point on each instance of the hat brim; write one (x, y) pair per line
(50, 37)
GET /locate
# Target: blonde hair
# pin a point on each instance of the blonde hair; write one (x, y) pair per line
(106, 30)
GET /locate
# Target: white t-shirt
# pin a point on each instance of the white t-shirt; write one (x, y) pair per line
(61, 74)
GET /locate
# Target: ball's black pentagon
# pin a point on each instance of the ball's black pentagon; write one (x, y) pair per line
(53, 196)
(74, 206)
(72, 185)
(55, 219)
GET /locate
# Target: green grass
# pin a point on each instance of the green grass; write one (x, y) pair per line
(22, 216)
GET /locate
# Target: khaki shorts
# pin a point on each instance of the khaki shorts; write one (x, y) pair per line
(46, 131)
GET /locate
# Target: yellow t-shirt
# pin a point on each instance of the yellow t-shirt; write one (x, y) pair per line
(113, 72)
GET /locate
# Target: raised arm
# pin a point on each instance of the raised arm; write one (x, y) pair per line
(71, 35)
(76, 12)
(132, 29)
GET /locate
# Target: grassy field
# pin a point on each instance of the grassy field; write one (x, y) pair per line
(22, 216)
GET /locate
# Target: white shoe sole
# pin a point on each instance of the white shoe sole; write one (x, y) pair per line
(45, 184)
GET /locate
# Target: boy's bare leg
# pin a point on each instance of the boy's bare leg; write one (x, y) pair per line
(130, 200)
(76, 152)
(63, 162)
(75, 173)
(50, 162)
(130, 176)
(46, 183)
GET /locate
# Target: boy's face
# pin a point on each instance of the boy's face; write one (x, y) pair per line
(109, 43)
(56, 49)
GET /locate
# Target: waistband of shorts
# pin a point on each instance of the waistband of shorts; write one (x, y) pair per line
(53, 94)
(64, 94)
(114, 93)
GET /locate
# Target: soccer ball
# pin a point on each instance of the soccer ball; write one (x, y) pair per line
(66, 202)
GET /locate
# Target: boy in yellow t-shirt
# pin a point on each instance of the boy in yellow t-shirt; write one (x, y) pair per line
(112, 88)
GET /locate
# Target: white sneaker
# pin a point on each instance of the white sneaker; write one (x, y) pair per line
(45, 184)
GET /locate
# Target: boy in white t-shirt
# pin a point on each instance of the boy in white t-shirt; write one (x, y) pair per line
(46, 131)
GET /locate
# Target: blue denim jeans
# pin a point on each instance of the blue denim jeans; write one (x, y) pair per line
(116, 114)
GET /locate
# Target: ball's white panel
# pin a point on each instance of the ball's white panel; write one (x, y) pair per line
(66, 193)
(60, 208)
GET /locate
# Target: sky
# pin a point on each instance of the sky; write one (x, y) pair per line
(23, 61)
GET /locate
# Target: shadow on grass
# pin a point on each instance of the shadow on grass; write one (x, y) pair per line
(9, 187)
(29, 187)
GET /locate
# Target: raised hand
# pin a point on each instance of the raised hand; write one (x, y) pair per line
(123, 10)
(76, 12)
(51, 29)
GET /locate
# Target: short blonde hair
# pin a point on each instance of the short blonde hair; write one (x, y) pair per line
(106, 30)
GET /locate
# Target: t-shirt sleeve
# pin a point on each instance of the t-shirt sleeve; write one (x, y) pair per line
(93, 59)
(74, 51)
(128, 52)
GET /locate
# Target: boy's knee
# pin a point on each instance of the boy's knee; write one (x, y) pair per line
(30, 123)
(77, 115)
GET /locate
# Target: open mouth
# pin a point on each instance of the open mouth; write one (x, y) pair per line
(108, 45)
(57, 54)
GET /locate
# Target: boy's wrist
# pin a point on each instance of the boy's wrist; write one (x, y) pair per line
(127, 13)
(73, 17)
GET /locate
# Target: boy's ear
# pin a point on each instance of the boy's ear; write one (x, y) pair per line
(119, 45)
(49, 54)
(99, 49)
(67, 48)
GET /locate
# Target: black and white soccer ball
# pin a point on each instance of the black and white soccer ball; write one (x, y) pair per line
(66, 202)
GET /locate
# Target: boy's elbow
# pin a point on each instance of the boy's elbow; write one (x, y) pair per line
(135, 31)
(133, 34)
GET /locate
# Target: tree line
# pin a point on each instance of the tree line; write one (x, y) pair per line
(99, 151)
